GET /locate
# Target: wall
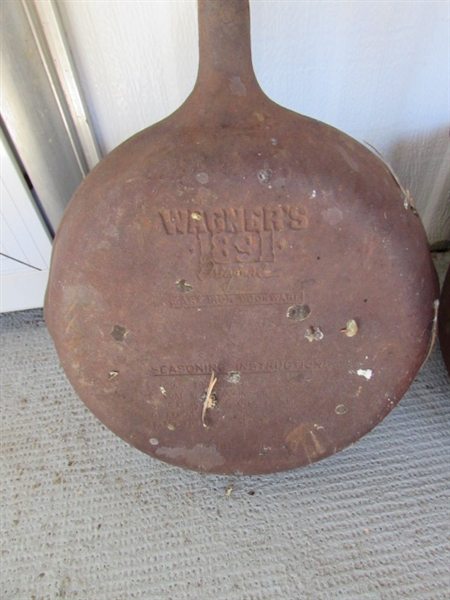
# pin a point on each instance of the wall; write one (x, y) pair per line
(377, 70)
(25, 246)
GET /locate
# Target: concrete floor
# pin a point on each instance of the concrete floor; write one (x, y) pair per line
(86, 516)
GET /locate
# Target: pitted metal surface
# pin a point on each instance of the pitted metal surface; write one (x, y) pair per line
(240, 288)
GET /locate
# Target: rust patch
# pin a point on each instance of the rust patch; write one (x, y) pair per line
(237, 87)
(119, 333)
(299, 312)
(314, 333)
(333, 216)
(183, 286)
(306, 438)
(201, 456)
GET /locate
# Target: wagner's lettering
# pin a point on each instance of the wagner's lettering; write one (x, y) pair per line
(231, 220)
(234, 220)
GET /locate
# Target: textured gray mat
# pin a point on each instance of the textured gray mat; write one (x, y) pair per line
(85, 516)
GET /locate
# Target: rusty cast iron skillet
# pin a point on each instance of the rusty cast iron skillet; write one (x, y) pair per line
(240, 288)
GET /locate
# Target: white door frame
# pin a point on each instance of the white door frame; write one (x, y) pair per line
(42, 107)
(24, 241)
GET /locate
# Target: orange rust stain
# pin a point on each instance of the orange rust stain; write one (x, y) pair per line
(317, 444)
(71, 322)
(306, 437)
